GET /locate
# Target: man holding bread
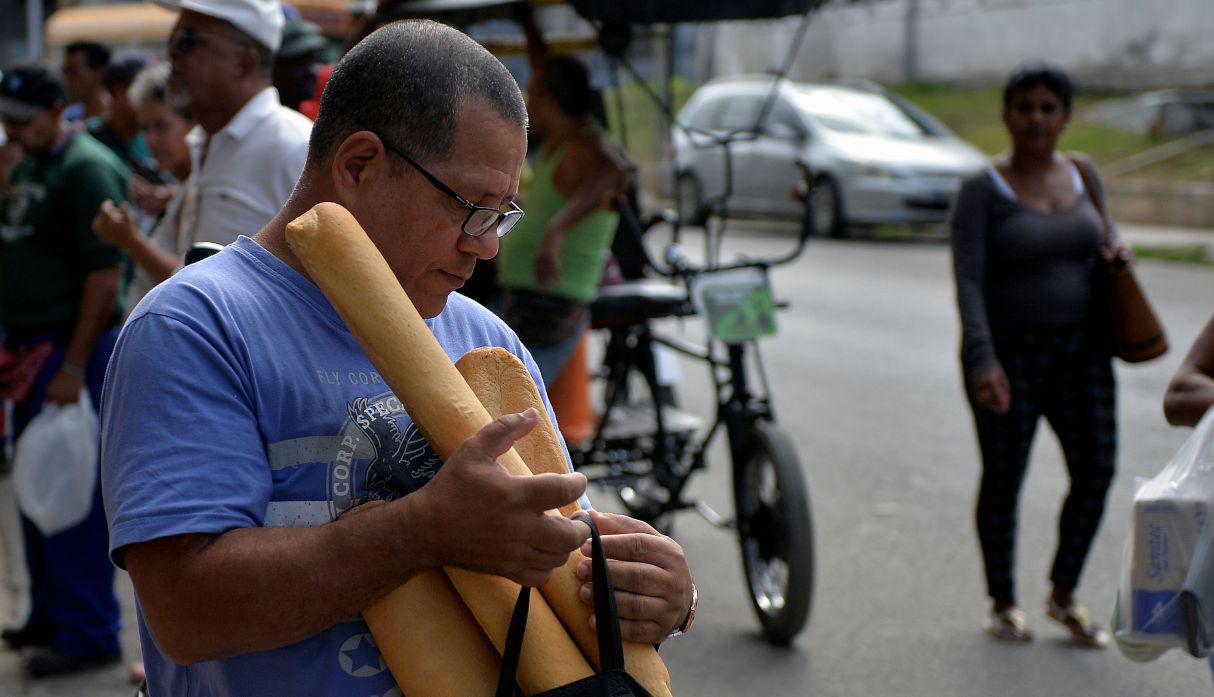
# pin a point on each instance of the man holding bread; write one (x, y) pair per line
(242, 418)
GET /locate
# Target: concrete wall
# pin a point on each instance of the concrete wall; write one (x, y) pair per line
(1105, 43)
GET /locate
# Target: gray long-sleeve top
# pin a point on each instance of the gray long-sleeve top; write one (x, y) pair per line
(1017, 266)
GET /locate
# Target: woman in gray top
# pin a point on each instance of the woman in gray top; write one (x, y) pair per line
(1026, 239)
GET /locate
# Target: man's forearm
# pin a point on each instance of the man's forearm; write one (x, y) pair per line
(97, 301)
(157, 263)
(256, 589)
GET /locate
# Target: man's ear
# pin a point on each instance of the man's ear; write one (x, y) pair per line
(359, 160)
(249, 62)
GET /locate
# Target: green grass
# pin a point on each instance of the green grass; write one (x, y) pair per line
(1189, 253)
(643, 120)
(973, 114)
(976, 116)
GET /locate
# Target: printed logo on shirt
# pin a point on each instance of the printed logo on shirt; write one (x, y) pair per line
(400, 460)
(359, 656)
(17, 203)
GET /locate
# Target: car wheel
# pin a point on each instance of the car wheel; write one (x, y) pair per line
(826, 206)
(689, 200)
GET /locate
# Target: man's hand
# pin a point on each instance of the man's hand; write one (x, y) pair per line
(478, 516)
(64, 388)
(151, 198)
(115, 224)
(992, 391)
(649, 573)
(548, 261)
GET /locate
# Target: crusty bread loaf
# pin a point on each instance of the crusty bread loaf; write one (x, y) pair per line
(356, 279)
(429, 639)
(503, 385)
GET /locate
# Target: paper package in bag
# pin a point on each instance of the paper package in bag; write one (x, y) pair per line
(1167, 580)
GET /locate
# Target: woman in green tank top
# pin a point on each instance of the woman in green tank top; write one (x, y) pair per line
(550, 265)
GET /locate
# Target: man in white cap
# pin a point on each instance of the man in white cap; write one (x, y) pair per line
(248, 149)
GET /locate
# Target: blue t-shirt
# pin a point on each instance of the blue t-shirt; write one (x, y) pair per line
(237, 398)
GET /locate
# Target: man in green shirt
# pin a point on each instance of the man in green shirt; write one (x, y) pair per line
(59, 289)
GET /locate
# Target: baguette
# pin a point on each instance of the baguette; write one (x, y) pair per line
(503, 385)
(356, 279)
(429, 639)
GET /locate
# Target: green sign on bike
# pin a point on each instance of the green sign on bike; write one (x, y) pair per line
(737, 304)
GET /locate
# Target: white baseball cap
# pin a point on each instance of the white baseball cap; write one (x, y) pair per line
(260, 19)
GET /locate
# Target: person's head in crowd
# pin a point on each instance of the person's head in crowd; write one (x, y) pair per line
(559, 94)
(296, 62)
(1037, 101)
(118, 78)
(222, 53)
(164, 123)
(32, 100)
(84, 64)
(421, 135)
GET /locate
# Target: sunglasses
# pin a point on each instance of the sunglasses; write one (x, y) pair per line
(186, 40)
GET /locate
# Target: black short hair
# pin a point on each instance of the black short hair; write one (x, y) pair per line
(1031, 75)
(96, 56)
(407, 81)
(568, 81)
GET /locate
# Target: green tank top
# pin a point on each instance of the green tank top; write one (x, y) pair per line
(586, 244)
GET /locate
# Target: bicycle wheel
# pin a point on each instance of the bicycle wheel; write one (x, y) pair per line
(775, 530)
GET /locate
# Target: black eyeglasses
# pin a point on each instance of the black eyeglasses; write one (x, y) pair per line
(186, 40)
(480, 218)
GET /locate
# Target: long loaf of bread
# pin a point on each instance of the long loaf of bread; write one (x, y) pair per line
(352, 273)
(429, 639)
(503, 385)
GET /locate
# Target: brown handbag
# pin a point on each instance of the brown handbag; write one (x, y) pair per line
(1136, 335)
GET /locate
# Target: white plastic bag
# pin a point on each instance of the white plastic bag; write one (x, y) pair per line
(1167, 575)
(55, 468)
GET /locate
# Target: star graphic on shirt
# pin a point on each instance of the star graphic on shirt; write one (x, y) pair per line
(360, 657)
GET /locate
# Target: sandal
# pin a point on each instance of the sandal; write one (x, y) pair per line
(1009, 624)
(1076, 618)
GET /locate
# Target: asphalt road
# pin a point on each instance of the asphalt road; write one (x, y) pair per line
(867, 383)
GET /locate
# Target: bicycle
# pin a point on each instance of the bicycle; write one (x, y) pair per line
(647, 449)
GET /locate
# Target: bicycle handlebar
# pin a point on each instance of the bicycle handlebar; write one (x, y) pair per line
(676, 264)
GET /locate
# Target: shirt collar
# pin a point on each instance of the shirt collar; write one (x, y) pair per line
(256, 110)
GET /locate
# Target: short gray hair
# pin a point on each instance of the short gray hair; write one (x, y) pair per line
(407, 82)
(152, 85)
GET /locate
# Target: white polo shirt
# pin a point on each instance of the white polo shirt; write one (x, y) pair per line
(246, 173)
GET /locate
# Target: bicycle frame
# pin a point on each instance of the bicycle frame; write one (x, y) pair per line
(672, 462)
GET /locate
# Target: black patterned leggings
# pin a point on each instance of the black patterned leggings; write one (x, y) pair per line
(1063, 375)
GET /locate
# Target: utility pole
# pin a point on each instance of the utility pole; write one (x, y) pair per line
(33, 29)
(910, 43)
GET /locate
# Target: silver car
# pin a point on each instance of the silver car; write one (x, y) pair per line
(875, 157)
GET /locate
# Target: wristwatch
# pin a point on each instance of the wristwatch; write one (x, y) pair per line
(691, 614)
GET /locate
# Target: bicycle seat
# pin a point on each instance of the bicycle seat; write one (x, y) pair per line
(634, 302)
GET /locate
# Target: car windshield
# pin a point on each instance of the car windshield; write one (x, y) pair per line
(848, 111)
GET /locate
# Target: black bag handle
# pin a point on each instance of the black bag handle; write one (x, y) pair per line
(607, 619)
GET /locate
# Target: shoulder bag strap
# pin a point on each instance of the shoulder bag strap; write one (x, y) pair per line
(607, 619)
(514, 643)
(607, 616)
(1086, 175)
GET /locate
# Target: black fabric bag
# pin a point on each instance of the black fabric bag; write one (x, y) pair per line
(611, 680)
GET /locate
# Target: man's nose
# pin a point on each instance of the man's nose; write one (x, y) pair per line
(483, 247)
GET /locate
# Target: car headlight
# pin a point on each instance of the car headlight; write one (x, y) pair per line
(874, 170)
